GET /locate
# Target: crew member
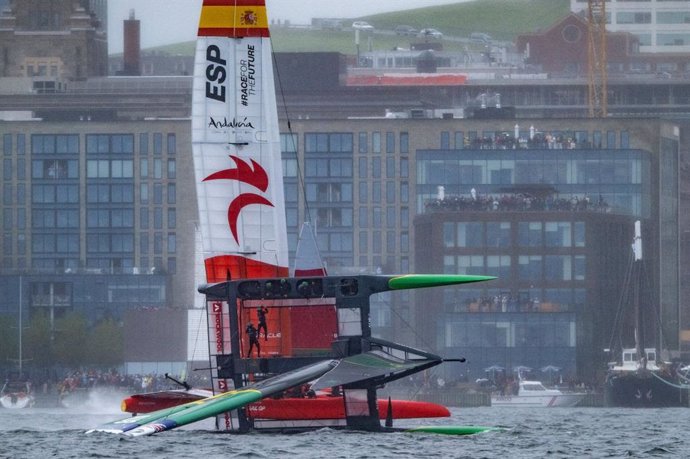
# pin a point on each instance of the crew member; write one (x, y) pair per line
(253, 335)
(261, 313)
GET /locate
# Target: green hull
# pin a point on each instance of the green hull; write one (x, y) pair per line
(433, 280)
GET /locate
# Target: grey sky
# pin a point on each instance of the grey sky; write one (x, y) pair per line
(170, 21)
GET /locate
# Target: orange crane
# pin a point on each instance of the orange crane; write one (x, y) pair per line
(596, 57)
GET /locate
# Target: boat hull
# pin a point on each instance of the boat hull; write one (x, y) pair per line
(325, 407)
(556, 400)
(321, 407)
(16, 401)
(643, 390)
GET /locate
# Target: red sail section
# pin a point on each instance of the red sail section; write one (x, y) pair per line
(232, 267)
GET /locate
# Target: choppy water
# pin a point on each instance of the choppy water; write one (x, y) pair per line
(530, 432)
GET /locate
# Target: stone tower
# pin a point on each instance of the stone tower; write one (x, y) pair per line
(53, 41)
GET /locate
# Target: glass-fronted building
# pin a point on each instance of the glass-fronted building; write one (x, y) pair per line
(91, 216)
(552, 217)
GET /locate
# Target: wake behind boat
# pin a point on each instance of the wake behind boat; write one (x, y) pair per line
(16, 395)
(534, 394)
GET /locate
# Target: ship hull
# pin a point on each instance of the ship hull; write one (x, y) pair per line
(643, 390)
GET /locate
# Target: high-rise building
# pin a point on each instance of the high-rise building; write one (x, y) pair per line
(660, 26)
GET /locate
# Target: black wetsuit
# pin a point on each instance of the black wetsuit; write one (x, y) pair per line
(253, 335)
(261, 312)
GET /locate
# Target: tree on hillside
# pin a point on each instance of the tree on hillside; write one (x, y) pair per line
(37, 345)
(9, 340)
(106, 344)
(70, 340)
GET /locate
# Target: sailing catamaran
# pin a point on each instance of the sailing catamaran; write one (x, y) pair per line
(318, 326)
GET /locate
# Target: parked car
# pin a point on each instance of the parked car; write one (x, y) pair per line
(362, 25)
(430, 33)
(406, 30)
(481, 38)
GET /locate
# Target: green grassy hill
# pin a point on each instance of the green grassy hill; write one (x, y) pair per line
(502, 19)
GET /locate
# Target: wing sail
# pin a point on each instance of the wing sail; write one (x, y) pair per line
(236, 144)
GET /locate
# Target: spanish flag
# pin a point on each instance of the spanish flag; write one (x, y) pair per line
(233, 18)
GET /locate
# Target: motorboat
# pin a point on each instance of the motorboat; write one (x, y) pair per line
(16, 395)
(534, 393)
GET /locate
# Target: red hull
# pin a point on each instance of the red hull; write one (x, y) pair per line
(321, 407)
(324, 407)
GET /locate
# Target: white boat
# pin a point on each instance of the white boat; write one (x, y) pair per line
(16, 395)
(533, 393)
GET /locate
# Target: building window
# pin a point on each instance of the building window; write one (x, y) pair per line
(558, 268)
(404, 242)
(445, 140)
(390, 217)
(390, 192)
(530, 234)
(144, 218)
(557, 234)
(459, 140)
(143, 144)
(109, 144)
(390, 142)
(470, 264)
(363, 142)
(158, 218)
(470, 234)
(390, 167)
(288, 143)
(404, 192)
(172, 169)
(530, 267)
(172, 218)
(390, 242)
(363, 242)
(144, 168)
(498, 234)
(498, 265)
(172, 144)
(363, 217)
(404, 142)
(157, 143)
(7, 144)
(157, 169)
(376, 167)
(172, 193)
(172, 243)
(376, 192)
(610, 139)
(376, 142)
(7, 170)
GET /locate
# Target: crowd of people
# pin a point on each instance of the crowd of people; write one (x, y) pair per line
(509, 303)
(537, 140)
(519, 202)
(80, 380)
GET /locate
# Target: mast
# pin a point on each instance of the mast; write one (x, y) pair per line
(636, 278)
(21, 325)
